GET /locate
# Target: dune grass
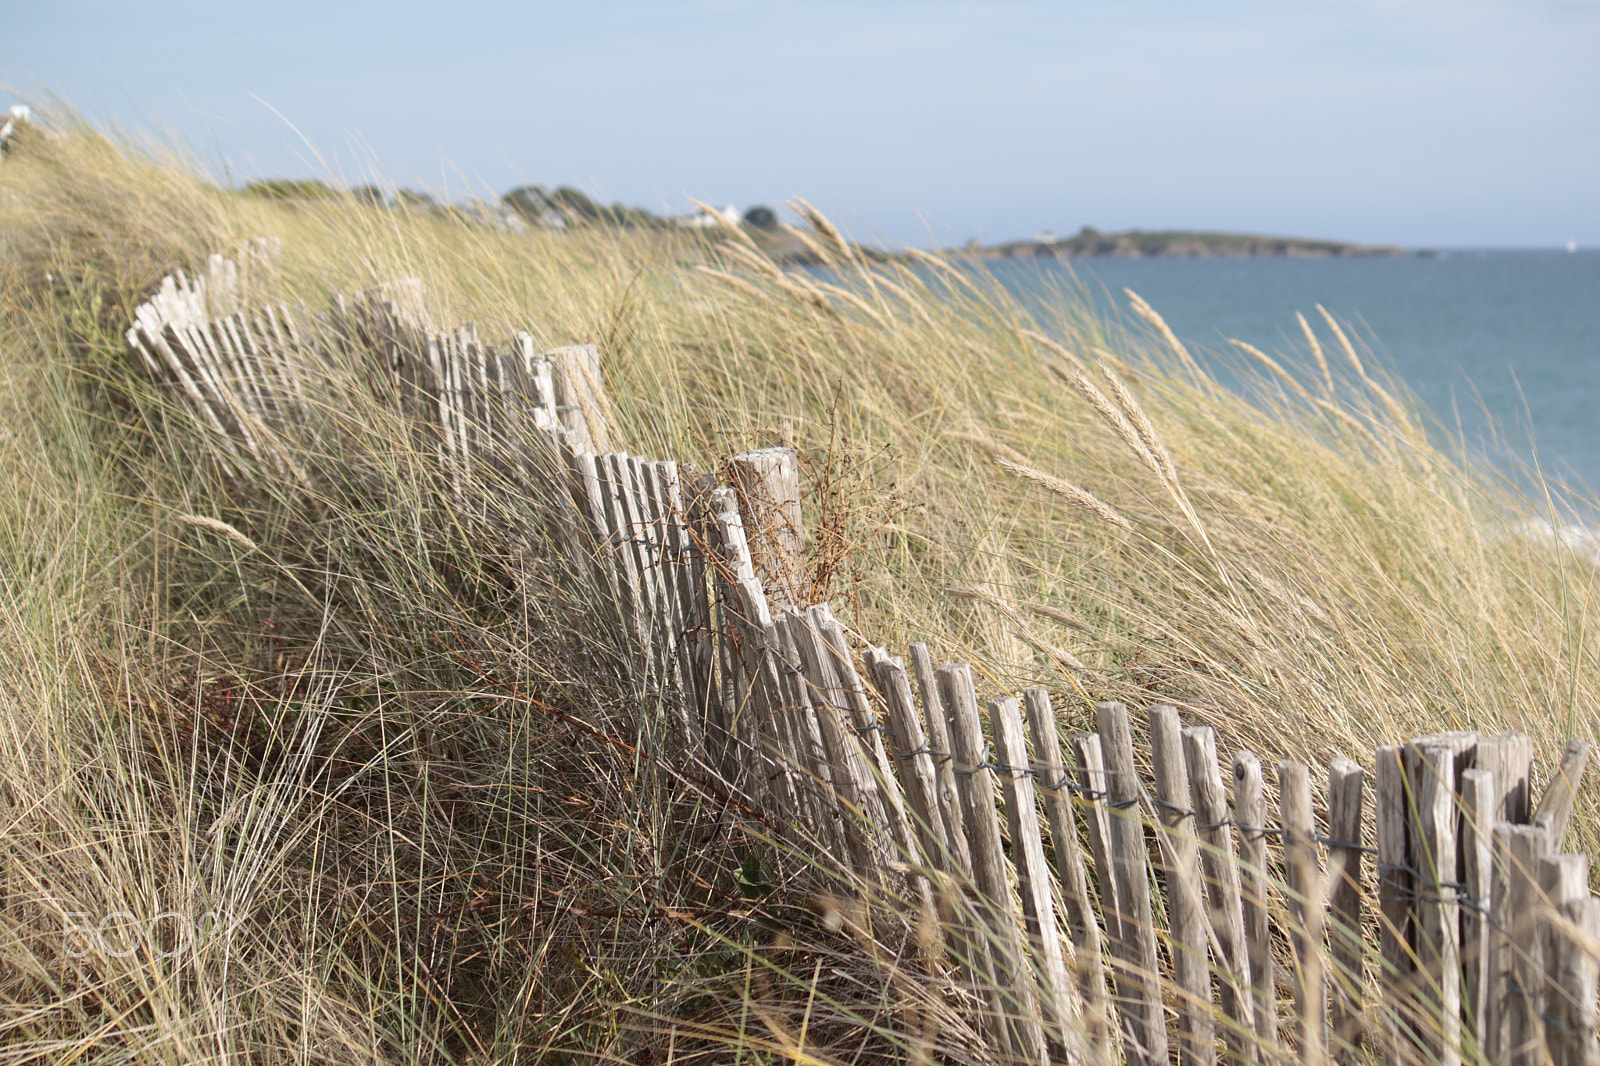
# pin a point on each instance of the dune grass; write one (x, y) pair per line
(408, 791)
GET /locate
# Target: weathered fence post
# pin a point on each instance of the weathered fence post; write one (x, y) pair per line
(1555, 806)
(1431, 764)
(1479, 801)
(895, 826)
(855, 786)
(1139, 979)
(1057, 786)
(1521, 847)
(1345, 808)
(938, 722)
(1396, 890)
(1303, 876)
(1563, 885)
(1015, 774)
(768, 483)
(911, 750)
(1186, 916)
(1012, 1000)
(580, 396)
(1223, 897)
(1250, 818)
(1576, 972)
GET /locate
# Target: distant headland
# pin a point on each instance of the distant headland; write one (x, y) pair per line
(1186, 244)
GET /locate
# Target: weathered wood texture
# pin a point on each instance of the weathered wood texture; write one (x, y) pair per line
(768, 483)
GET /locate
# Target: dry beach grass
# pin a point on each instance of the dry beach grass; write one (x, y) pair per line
(409, 794)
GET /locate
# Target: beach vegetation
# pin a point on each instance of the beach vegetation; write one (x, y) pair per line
(325, 777)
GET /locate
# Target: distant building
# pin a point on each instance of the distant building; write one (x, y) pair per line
(19, 118)
(496, 215)
(704, 219)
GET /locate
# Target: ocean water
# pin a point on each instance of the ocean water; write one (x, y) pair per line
(1507, 339)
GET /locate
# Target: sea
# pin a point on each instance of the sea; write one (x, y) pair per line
(1502, 346)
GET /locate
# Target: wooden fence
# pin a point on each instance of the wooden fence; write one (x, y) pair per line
(1425, 915)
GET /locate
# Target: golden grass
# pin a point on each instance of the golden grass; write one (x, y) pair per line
(359, 740)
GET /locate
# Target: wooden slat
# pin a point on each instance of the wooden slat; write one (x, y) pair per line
(666, 621)
(1056, 784)
(776, 752)
(1576, 972)
(740, 725)
(1011, 999)
(723, 714)
(916, 761)
(1303, 884)
(788, 708)
(242, 374)
(166, 346)
(539, 384)
(196, 342)
(624, 557)
(938, 723)
(1432, 764)
(1347, 945)
(687, 492)
(1555, 806)
(250, 406)
(1396, 893)
(444, 413)
(1250, 817)
(580, 395)
(834, 684)
(1516, 783)
(187, 343)
(284, 352)
(688, 598)
(1221, 878)
(588, 494)
(971, 946)
(450, 361)
(896, 827)
(1563, 885)
(834, 826)
(1089, 753)
(768, 483)
(269, 371)
(853, 784)
(1185, 903)
(1480, 800)
(1139, 982)
(1015, 773)
(628, 535)
(1520, 847)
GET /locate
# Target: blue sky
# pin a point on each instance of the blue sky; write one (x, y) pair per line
(1422, 122)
